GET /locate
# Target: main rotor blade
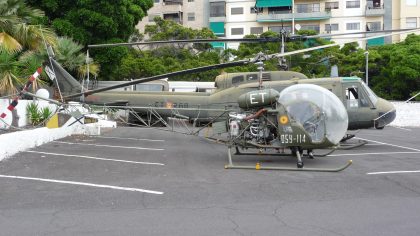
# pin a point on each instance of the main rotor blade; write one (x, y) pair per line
(259, 57)
(354, 33)
(167, 75)
(244, 40)
(278, 55)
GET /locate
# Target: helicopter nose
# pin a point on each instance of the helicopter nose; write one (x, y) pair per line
(386, 113)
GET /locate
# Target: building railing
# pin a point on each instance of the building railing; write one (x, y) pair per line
(171, 8)
(297, 16)
(217, 19)
(172, 2)
(374, 11)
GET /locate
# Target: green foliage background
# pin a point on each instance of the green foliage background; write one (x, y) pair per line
(94, 22)
(393, 69)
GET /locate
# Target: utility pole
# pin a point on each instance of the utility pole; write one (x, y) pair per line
(367, 68)
(293, 17)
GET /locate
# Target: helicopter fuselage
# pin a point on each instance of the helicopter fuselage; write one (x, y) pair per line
(365, 109)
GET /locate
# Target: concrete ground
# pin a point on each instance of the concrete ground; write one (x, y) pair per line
(138, 181)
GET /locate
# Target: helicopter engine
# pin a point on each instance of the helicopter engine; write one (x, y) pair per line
(255, 124)
(252, 127)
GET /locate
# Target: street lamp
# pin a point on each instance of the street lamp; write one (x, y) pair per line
(367, 68)
(293, 17)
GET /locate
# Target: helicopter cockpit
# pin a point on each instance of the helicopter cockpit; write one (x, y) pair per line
(320, 112)
(358, 94)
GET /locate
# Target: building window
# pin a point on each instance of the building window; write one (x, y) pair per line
(256, 30)
(411, 22)
(411, 2)
(353, 4)
(331, 27)
(279, 10)
(157, 1)
(190, 0)
(237, 11)
(331, 5)
(255, 10)
(191, 16)
(373, 26)
(310, 27)
(353, 26)
(217, 9)
(237, 31)
(307, 8)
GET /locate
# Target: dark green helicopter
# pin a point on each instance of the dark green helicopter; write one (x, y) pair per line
(365, 109)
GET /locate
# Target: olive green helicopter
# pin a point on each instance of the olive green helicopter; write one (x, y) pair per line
(260, 110)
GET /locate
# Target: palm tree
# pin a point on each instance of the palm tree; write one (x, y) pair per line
(69, 55)
(19, 36)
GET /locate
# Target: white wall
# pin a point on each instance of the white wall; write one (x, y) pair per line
(408, 114)
(20, 116)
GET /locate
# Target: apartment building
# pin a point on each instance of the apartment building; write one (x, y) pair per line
(190, 13)
(405, 15)
(237, 18)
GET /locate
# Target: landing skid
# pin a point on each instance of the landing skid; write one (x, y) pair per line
(347, 146)
(279, 154)
(258, 166)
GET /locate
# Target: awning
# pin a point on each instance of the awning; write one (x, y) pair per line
(274, 3)
(218, 28)
(376, 42)
(218, 44)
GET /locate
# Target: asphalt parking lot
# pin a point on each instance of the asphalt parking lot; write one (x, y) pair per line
(139, 181)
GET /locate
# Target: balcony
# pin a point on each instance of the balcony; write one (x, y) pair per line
(177, 17)
(171, 8)
(217, 19)
(285, 17)
(375, 11)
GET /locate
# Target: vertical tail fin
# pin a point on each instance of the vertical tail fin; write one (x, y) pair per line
(68, 85)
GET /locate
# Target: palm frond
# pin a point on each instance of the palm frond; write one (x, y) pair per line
(9, 82)
(93, 70)
(33, 36)
(9, 44)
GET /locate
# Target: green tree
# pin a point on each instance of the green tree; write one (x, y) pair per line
(162, 59)
(169, 30)
(399, 76)
(97, 21)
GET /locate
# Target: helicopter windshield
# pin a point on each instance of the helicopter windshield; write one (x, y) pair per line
(320, 112)
(371, 94)
(310, 116)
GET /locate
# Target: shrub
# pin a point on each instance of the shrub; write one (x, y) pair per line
(36, 115)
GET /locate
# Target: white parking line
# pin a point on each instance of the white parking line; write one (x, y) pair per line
(401, 128)
(97, 158)
(394, 172)
(81, 184)
(371, 153)
(101, 145)
(136, 139)
(393, 145)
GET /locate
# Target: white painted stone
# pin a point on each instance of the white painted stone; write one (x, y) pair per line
(408, 114)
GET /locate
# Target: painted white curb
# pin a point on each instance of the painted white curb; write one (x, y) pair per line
(12, 143)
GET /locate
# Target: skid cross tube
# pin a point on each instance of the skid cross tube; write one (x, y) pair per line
(258, 166)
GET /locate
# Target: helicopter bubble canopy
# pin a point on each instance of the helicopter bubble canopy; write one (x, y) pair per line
(320, 112)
